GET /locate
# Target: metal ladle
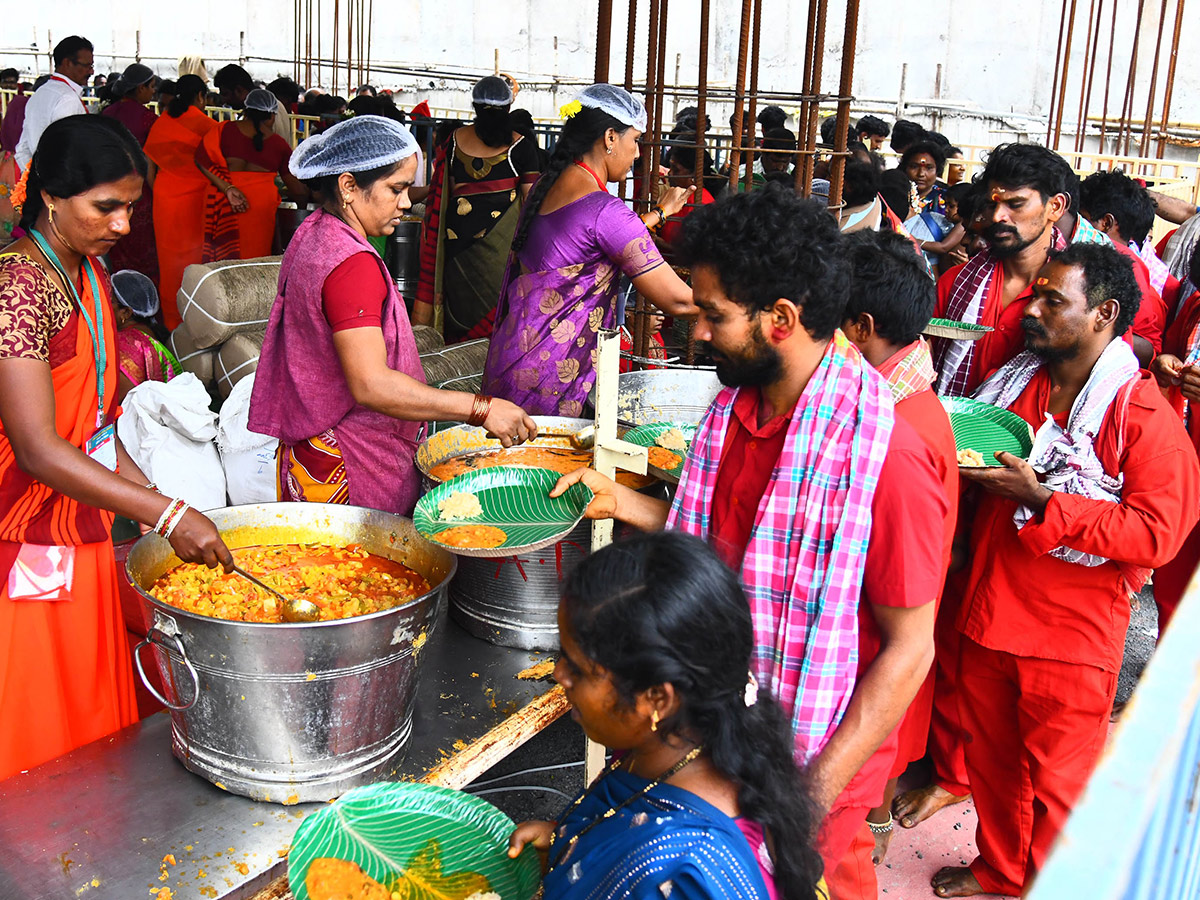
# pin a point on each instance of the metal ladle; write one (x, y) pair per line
(294, 610)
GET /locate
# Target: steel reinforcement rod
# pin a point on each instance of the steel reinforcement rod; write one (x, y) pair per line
(804, 142)
(837, 167)
(1066, 70)
(1112, 43)
(1144, 147)
(603, 39)
(1062, 24)
(1169, 88)
(1085, 91)
(739, 107)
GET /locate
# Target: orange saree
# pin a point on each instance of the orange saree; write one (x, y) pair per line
(230, 235)
(179, 191)
(65, 673)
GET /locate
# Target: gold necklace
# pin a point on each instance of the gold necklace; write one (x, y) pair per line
(613, 810)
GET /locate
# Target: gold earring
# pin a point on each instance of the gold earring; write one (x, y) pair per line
(654, 720)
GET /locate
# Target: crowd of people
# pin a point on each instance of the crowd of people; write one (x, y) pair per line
(828, 598)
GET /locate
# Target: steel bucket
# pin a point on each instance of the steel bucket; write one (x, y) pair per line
(403, 257)
(288, 217)
(663, 395)
(512, 601)
(292, 713)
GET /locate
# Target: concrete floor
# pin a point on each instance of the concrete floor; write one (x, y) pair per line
(948, 839)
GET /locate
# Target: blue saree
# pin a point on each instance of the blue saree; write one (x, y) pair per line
(667, 844)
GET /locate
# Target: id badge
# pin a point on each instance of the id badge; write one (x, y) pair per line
(102, 447)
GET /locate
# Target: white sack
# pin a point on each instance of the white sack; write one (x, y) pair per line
(248, 457)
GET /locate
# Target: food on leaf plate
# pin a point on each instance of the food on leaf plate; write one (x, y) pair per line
(477, 537)
(971, 459)
(673, 439)
(460, 505)
(663, 459)
(557, 459)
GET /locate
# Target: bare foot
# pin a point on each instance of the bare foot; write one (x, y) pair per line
(881, 845)
(915, 806)
(955, 881)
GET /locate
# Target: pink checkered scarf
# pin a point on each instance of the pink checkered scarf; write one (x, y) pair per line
(968, 300)
(803, 567)
(1159, 273)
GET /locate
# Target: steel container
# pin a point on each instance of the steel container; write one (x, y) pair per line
(511, 601)
(292, 713)
(403, 256)
(288, 217)
(663, 395)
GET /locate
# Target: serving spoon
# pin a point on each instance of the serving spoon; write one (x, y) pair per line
(294, 609)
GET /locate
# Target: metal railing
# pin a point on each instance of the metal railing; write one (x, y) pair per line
(1135, 835)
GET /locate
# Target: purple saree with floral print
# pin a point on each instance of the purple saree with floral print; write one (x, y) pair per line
(558, 292)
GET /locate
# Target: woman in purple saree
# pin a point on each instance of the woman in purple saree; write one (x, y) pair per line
(573, 241)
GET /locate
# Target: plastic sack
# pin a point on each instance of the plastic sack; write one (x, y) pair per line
(248, 457)
(169, 432)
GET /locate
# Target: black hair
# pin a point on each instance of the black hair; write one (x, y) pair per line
(961, 194)
(1107, 275)
(1115, 193)
(768, 244)
(69, 47)
(74, 155)
(389, 110)
(285, 90)
(445, 131)
(929, 147)
(779, 139)
(9, 73)
(860, 184)
(579, 135)
(364, 105)
(905, 133)
(1032, 166)
(687, 118)
(936, 137)
(662, 609)
(872, 125)
(952, 152)
(683, 151)
(829, 130)
(888, 280)
(257, 117)
(894, 189)
(492, 126)
(772, 117)
(232, 76)
(327, 185)
(187, 89)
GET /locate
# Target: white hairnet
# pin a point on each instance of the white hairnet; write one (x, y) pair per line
(617, 102)
(492, 90)
(356, 145)
(135, 292)
(263, 101)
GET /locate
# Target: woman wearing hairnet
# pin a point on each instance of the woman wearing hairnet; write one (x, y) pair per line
(131, 92)
(480, 178)
(241, 160)
(573, 240)
(142, 353)
(339, 381)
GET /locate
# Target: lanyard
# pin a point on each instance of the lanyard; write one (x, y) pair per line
(99, 349)
(592, 172)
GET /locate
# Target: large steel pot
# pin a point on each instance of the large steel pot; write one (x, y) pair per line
(663, 395)
(292, 713)
(403, 256)
(512, 601)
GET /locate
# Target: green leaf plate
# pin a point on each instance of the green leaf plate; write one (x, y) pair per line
(959, 331)
(515, 499)
(447, 842)
(987, 429)
(648, 435)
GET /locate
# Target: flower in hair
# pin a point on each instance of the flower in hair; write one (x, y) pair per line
(750, 696)
(17, 199)
(570, 109)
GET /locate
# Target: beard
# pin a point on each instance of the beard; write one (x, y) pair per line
(1033, 329)
(1010, 248)
(755, 364)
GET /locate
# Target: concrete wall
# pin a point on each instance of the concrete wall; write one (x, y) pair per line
(995, 57)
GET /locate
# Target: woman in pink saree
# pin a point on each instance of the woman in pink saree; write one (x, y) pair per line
(573, 241)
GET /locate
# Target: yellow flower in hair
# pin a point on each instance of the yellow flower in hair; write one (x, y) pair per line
(570, 109)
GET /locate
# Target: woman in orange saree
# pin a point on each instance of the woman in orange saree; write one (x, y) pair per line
(241, 160)
(179, 188)
(65, 674)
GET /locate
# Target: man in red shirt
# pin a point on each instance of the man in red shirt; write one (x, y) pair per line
(891, 299)
(771, 279)
(1054, 561)
(1026, 193)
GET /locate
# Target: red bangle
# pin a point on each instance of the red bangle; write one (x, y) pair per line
(480, 407)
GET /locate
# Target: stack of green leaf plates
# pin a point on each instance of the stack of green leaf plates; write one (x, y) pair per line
(987, 429)
(515, 499)
(959, 331)
(648, 435)
(420, 841)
